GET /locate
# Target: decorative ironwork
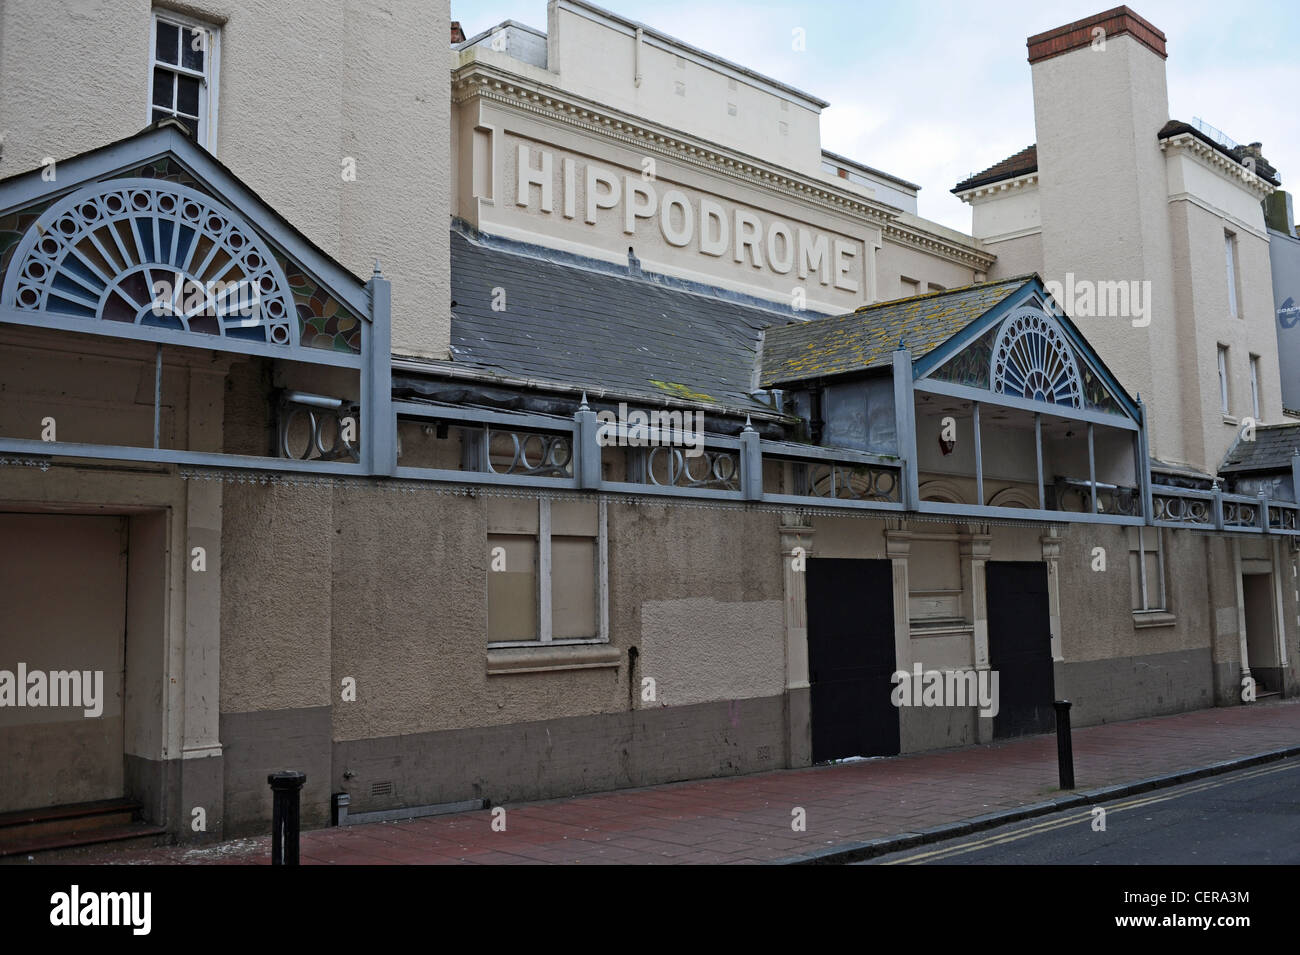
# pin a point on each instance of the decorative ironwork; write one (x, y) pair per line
(1281, 517)
(667, 466)
(311, 432)
(152, 252)
(532, 454)
(1111, 499)
(1032, 360)
(848, 482)
(1240, 514)
(1179, 509)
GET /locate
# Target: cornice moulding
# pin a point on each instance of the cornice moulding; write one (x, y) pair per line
(477, 79)
(992, 189)
(1212, 159)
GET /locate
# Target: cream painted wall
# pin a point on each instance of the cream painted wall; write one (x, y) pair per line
(1203, 206)
(699, 649)
(1019, 256)
(596, 58)
(1103, 204)
(1095, 617)
(300, 90)
(1006, 213)
(897, 259)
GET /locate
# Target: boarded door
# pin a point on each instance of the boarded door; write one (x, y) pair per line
(63, 586)
(1020, 647)
(851, 658)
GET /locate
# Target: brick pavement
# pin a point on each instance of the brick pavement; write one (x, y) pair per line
(747, 819)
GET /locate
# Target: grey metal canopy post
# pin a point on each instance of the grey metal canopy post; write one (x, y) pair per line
(979, 456)
(905, 425)
(1144, 472)
(1038, 452)
(586, 440)
(1092, 470)
(379, 430)
(751, 463)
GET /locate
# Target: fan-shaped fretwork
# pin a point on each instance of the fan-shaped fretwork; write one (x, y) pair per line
(1032, 360)
(156, 253)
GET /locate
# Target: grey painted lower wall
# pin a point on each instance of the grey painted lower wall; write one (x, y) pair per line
(156, 785)
(202, 788)
(257, 744)
(1126, 688)
(549, 758)
(1227, 683)
(936, 727)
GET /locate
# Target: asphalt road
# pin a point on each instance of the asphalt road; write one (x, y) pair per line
(1247, 817)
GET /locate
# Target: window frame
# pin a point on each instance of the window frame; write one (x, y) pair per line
(1230, 256)
(1254, 386)
(208, 85)
(1222, 358)
(545, 618)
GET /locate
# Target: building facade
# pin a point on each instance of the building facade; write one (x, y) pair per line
(659, 463)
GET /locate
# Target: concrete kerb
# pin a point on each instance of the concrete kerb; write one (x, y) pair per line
(859, 851)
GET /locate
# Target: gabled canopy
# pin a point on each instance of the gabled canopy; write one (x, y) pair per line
(1027, 349)
(151, 238)
(1007, 338)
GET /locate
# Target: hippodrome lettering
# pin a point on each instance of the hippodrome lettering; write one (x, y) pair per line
(706, 226)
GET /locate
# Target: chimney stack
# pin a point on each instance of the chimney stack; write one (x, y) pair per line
(1100, 99)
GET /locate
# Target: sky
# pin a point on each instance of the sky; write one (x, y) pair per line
(934, 91)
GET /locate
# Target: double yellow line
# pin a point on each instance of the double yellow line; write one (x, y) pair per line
(1072, 817)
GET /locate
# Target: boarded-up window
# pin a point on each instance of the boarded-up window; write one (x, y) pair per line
(1147, 568)
(512, 590)
(545, 559)
(573, 588)
(934, 582)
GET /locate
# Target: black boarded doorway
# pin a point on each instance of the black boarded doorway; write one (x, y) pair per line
(851, 658)
(1020, 647)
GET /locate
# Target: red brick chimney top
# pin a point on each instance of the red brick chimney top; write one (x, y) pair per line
(1083, 33)
(457, 34)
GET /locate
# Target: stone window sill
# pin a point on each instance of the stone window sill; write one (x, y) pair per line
(1230, 419)
(543, 659)
(1143, 619)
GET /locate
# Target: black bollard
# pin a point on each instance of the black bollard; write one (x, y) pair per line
(1064, 750)
(285, 788)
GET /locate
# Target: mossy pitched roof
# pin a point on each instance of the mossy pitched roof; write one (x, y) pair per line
(868, 337)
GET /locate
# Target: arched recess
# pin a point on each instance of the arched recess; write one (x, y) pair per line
(945, 491)
(1014, 497)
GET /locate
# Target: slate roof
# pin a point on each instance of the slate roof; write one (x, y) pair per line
(868, 337)
(571, 324)
(1022, 163)
(1270, 451)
